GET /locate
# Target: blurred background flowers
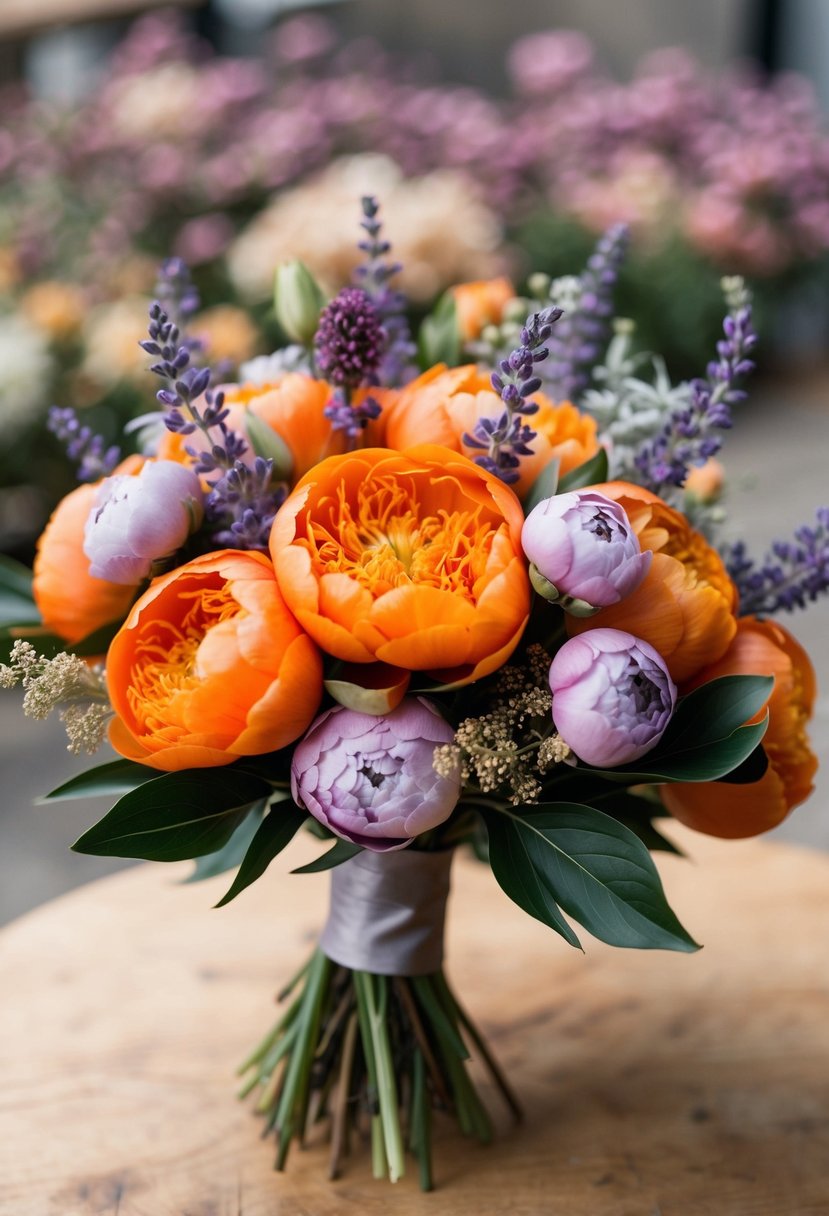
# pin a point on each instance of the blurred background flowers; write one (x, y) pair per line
(237, 134)
(238, 162)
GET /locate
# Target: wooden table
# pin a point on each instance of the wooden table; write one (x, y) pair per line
(654, 1084)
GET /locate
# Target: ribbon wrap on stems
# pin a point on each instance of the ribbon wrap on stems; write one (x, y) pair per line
(387, 912)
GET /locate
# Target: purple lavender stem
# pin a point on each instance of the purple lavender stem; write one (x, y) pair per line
(94, 459)
(581, 336)
(688, 437)
(397, 363)
(503, 441)
(791, 575)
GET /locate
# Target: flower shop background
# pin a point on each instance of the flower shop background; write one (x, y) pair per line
(192, 98)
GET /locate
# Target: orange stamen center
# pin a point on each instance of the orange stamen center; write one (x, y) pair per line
(166, 658)
(385, 538)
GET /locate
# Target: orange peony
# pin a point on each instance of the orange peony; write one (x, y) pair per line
(479, 304)
(209, 666)
(443, 405)
(293, 406)
(720, 809)
(685, 605)
(71, 602)
(412, 558)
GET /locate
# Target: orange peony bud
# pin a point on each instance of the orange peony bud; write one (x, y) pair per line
(411, 558)
(443, 405)
(210, 665)
(720, 809)
(479, 304)
(72, 603)
(685, 605)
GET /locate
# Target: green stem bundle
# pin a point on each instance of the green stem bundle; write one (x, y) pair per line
(371, 1055)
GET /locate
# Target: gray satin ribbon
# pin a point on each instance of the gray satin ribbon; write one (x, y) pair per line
(387, 912)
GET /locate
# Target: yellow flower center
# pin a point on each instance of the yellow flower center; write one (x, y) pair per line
(385, 539)
(167, 658)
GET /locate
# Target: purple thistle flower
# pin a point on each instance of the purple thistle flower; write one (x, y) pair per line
(583, 333)
(792, 574)
(688, 438)
(349, 340)
(397, 363)
(88, 450)
(504, 440)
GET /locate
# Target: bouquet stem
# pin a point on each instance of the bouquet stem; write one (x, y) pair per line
(373, 1056)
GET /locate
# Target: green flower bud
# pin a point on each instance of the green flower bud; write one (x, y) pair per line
(298, 301)
(549, 591)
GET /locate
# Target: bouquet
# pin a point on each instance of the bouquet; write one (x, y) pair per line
(416, 596)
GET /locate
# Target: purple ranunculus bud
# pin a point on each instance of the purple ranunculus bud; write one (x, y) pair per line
(612, 696)
(138, 520)
(371, 779)
(584, 554)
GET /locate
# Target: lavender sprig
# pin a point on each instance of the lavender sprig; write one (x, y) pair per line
(793, 573)
(397, 363)
(688, 436)
(176, 290)
(348, 417)
(504, 440)
(242, 502)
(242, 505)
(90, 451)
(584, 331)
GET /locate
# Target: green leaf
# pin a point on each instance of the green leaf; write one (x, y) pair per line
(16, 609)
(95, 643)
(750, 770)
(49, 644)
(275, 831)
(592, 866)
(544, 486)
(17, 606)
(716, 709)
(591, 473)
(175, 817)
(342, 851)
(706, 762)
(516, 874)
(439, 340)
(268, 443)
(232, 855)
(15, 577)
(705, 740)
(637, 813)
(117, 777)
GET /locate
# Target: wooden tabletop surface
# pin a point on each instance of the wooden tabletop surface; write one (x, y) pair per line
(654, 1084)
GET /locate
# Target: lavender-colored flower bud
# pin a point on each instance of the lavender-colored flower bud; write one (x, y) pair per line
(584, 554)
(612, 696)
(136, 521)
(370, 779)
